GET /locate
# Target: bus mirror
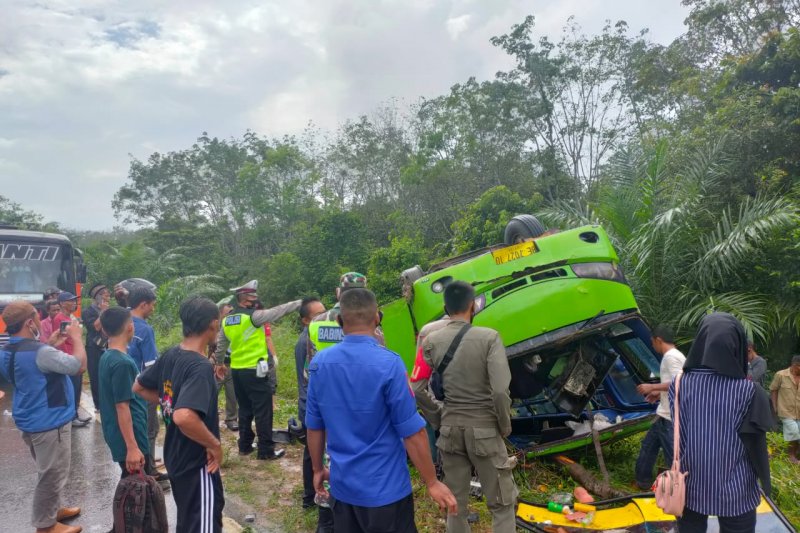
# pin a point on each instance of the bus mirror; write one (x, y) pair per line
(81, 268)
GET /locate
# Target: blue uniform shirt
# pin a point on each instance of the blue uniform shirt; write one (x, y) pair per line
(142, 348)
(359, 394)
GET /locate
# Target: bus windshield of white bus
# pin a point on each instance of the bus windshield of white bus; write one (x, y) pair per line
(30, 268)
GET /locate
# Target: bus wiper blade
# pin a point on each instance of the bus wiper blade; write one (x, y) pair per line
(595, 317)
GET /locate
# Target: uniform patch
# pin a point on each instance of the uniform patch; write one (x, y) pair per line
(233, 320)
(330, 334)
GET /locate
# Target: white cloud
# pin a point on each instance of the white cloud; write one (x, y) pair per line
(83, 83)
(457, 25)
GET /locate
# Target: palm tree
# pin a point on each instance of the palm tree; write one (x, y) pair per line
(170, 294)
(686, 250)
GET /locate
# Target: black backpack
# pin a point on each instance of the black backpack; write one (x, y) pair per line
(139, 506)
(437, 378)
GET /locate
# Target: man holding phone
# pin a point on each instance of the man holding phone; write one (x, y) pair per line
(43, 408)
(69, 303)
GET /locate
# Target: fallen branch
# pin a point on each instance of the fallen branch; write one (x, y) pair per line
(587, 480)
(598, 449)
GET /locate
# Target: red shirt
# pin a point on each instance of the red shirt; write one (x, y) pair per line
(47, 329)
(67, 347)
(421, 369)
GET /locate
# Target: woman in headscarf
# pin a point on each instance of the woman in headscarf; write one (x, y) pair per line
(723, 423)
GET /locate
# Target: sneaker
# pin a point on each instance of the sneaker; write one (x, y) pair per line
(246, 452)
(233, 426)
(275, 454)
(83, 415)
(78, 423)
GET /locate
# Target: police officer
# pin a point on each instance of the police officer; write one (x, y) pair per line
(476, 412)
(243, 332)
(324, 330)
(223, 373)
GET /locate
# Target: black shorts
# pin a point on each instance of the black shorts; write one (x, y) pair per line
(199, 499)
(397, 517)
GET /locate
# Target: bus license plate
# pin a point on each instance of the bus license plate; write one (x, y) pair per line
(514, 252)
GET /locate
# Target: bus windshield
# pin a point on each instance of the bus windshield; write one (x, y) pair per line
(30, 268)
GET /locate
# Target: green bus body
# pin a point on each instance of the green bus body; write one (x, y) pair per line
(523, 298)
(570, 325)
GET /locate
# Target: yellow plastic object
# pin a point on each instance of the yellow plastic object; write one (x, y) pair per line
(637, 511)
(584, 507)
(620, 517)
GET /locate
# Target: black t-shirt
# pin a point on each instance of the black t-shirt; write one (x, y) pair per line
(184, 379)
(94, 339)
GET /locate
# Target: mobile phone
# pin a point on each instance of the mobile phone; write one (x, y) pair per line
(62, 328)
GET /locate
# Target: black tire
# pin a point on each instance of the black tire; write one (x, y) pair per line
(522, 227)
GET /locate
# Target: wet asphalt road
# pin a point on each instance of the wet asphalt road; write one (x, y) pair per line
(92, 482)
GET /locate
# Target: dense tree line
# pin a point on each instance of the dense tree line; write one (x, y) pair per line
(686, 153)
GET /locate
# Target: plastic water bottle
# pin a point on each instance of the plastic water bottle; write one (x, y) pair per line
(323, 501)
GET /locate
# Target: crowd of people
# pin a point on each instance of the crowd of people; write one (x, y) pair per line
(363, 417)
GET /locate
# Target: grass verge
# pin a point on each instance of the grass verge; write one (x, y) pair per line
(273, 489)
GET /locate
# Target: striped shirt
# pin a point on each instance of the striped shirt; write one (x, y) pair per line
(721, 480)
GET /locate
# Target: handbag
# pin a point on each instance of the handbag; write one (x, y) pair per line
(670, 486)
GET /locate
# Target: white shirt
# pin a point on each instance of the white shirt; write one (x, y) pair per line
(671, 365)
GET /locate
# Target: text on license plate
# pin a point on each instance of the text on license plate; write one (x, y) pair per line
(514, 252)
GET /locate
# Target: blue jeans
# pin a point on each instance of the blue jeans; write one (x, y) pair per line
(659, 437)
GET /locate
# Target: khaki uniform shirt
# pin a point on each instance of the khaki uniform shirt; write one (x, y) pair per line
(788, 395)
(476, 381)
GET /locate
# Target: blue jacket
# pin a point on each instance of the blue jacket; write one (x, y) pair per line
(42, 400)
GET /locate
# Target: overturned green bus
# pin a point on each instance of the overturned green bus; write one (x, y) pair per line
(576, 343)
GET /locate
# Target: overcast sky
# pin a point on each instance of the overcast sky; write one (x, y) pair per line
(85, 83)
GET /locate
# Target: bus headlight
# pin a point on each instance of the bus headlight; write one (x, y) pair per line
(480, 304)
(607, 271)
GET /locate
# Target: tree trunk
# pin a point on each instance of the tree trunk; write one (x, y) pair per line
(587, 480)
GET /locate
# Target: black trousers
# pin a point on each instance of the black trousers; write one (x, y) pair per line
(77, 386)
(254, 395)
(308, 478)
(325, 517)
(93, 355)
(692, 522)
(325, 520)
(199, 499)
(397, 517)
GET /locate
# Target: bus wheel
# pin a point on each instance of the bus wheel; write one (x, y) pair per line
(522, 227)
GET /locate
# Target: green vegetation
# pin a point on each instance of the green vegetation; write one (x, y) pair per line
(274, 489)
(686, 154)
